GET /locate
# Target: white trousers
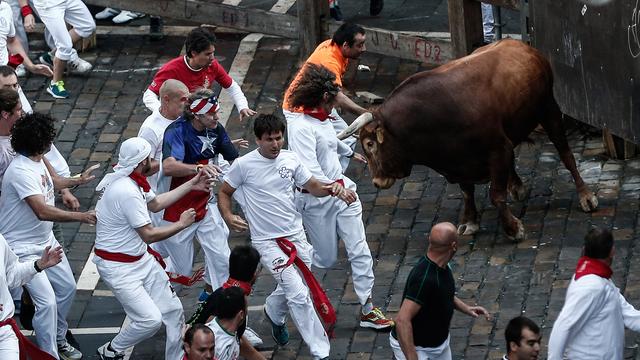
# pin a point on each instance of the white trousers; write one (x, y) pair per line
(9, 349)
(442, 352)
(56, 18)
(212, 234)
(52, 292)
(328, 218)
(292, 294)
(143, 289)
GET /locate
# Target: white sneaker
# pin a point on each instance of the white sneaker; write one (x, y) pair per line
(252, 337)
(68, 352)
(79, 66)
(107, 13)
(126, 16)
(105, 352)
(21, 71)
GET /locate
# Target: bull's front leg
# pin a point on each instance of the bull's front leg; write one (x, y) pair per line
(500, 162)
(469, 224)
(552, 124)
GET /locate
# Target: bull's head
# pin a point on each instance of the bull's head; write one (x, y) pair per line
(372, 139)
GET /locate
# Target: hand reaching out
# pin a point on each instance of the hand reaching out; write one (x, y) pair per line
(240, 143)
(50, 257)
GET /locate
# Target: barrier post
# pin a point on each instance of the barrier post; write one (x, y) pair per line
(311, 14)
(465, 26)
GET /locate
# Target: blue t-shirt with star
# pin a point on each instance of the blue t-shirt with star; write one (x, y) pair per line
(189, 146)
(184, 143)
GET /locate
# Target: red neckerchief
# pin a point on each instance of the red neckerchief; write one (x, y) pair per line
(318, 113)
(591, 266)
(245, 286)
(141, 180)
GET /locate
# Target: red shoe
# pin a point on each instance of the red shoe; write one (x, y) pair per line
(375, 320)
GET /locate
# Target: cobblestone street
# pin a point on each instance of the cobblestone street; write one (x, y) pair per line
(507, 278)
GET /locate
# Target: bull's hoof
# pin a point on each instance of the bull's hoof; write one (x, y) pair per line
(588, 202)
(469, 228)
(518, 193)
(519, 235)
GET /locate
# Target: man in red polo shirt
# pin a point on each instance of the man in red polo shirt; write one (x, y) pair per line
(197, 69)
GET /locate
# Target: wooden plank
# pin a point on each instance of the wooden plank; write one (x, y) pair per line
(507, 4)
(431, 48)
(609, 144)
(465, 26)
(250, 20)
(311, 14)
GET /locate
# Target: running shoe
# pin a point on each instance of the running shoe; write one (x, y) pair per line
(105, 352)
(336, 13)
(47, 59)
(280, 333)
(125, 16)
(68, 352)
(107, 13)
(21, 71)
(204, 295)
(79, 66)
(375, 319)
(57, 90)
(252, 337)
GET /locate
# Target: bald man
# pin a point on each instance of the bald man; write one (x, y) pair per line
(173, 94)
(428, 301)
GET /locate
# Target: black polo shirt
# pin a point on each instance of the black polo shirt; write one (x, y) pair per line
(433, 288)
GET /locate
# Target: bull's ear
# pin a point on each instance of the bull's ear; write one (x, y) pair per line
(380, 135)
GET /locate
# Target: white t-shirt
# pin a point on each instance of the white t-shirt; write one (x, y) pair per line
(6, 30)
(152, 130)
(316, 145)
(121, 209)
(6, 155)
(264, 189)
(227, 344)
(18, 223)
(13, 274)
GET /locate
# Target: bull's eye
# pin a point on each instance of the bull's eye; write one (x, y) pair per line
(369, 144)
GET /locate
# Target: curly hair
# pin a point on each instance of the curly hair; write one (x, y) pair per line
(198, 41)
(33, 134)
(201, 93)
(308, 91)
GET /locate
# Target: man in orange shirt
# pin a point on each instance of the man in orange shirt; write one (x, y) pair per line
(334, 54)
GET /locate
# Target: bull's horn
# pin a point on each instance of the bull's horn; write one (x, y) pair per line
(356, 125)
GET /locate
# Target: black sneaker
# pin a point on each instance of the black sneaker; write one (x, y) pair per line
(375, 7)
(336, 13)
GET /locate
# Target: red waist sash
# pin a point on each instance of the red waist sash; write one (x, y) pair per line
(126, 258)
(28, 350)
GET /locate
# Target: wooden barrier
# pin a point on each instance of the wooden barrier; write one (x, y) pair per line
(434, 48)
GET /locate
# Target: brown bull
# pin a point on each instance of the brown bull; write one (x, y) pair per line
(464, 119)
